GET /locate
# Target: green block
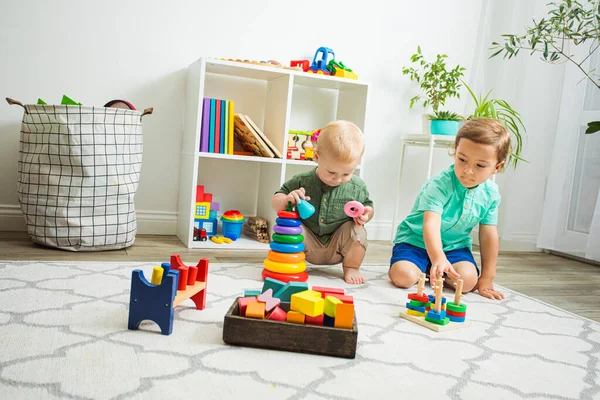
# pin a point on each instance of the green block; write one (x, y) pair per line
(274, 284)
(290, 288)
(416, 303)
(40, 101)
(444, 321)
(251, 293)
(66, 101)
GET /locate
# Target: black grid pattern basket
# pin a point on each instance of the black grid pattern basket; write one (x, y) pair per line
(79, 169)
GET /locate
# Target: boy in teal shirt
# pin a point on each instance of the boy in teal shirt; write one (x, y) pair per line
(330, 236)
(435, 234)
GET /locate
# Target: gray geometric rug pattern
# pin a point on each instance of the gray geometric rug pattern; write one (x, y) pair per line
(63, 335)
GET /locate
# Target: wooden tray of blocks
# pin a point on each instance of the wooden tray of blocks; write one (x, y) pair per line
(290, 336)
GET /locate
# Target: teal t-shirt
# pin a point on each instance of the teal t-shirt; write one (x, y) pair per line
(461, 210)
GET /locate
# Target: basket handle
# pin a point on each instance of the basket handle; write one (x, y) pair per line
(147, 111)
(12, 102)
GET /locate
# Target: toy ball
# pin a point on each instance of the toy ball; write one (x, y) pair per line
(354, 209)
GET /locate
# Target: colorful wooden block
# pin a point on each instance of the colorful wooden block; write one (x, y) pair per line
(422, 298)
(344, 316)
(278, 314)
(318, 320)
(255, 309)
(330, 305)
(286, 292)
(308, 302)
(274, 284)
(269, 300)
(431, 314)
(457, 308)
(252, 293)
(443, 321)
(327, 290)
(415, 308)
(328, 321)
(343, 297)
(415, 313)
(243, 302)
(452, 318)
(295, 317)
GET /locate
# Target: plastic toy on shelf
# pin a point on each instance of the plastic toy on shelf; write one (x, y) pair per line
(320, 61)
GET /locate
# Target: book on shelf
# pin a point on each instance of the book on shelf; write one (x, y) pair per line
(216, 129)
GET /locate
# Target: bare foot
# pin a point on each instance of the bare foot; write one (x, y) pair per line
(353, 276)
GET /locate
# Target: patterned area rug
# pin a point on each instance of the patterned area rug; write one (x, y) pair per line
(63, 330)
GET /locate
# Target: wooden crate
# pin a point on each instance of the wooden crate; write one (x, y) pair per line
(287, 336)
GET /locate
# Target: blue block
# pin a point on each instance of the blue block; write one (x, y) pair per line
(416, 308)
(286, 292)
(271, 283)
(251, 293)
(166, 268)
(288, 222)
(287, 247)
(456, 319)
(432, 299)
(328, 321)
(152, 302)
(439, 316)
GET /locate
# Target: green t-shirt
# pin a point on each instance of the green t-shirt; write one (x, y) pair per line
(461, 210)
(328, 201)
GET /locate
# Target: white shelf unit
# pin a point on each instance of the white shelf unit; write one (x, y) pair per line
(277, 100)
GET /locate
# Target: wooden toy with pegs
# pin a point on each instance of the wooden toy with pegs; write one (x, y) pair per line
(171, 284)
(432, 311)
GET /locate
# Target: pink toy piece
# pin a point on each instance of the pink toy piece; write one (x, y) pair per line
(287, 230)
(270, 301)
(354, 209)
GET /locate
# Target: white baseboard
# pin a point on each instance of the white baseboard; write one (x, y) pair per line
(148, 222)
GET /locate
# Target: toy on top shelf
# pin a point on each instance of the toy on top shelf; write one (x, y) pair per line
(171, 284)
(354, 209)
(285, 260)
(320, 61)
(320, 320)
(432, 311)
(337, 68)
(301, 65)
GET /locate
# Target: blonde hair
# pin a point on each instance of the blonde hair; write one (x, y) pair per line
(341, 140)
(486, 131)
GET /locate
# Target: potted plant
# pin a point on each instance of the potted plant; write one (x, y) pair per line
(438, 83)
(486, 107)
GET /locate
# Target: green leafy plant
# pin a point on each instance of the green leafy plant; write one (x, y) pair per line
(568, 22)
(445, 115)
(437, 82)
(486, 107)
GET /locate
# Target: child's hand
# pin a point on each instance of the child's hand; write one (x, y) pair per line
(295, 195)
(364, 218)
(438, 268)
(485, 287)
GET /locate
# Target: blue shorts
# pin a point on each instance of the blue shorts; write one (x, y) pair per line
(419, 257)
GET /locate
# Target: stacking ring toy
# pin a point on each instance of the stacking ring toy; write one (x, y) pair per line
(461, 308)
(354, 209)
(276, 237)
(288, 214)
(284, 268)
(287, 230)
(301, 277)
(288, 222)
(287, 247)
(289, 258)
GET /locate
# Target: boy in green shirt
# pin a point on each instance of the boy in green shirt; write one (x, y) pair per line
(435, 234)
(330, 236)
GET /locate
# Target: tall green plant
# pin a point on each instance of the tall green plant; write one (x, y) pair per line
(437, 82)
(568, 22)
(486, 107)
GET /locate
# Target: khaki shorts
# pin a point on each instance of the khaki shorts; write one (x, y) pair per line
(341, 241)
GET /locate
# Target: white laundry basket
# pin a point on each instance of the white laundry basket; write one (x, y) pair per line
(79, 168)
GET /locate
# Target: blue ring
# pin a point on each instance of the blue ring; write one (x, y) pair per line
(456, 319)
(415, 308)
(288, 222)
(287, 247)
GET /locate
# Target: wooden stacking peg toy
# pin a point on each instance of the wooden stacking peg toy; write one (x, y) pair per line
(456, 311)
(437, 315)
(171, 284)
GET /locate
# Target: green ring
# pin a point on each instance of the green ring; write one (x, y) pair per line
(456, 308)
(287, 238)
(418, 303)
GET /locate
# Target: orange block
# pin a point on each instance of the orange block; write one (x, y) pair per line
(255, 309)
(344, 316)
(295, 317)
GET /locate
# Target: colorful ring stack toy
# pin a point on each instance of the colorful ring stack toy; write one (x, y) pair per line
(232, 221)
(436, 314)
(456, 311)
(285, 261)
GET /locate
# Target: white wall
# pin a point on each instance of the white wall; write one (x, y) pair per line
(139, 50)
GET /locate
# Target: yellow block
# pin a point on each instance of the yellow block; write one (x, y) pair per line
(284, 268)
(330, 303)
(308, 302)
(295, 317)
(157, 274)
(415, 313)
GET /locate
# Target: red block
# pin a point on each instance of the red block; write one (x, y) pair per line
(199, 194)
(318, 320)
(277, 314)
(327, 290)
(343, 297)
(243, 302)
(192, 273)
(207, 197)
(183, 276)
